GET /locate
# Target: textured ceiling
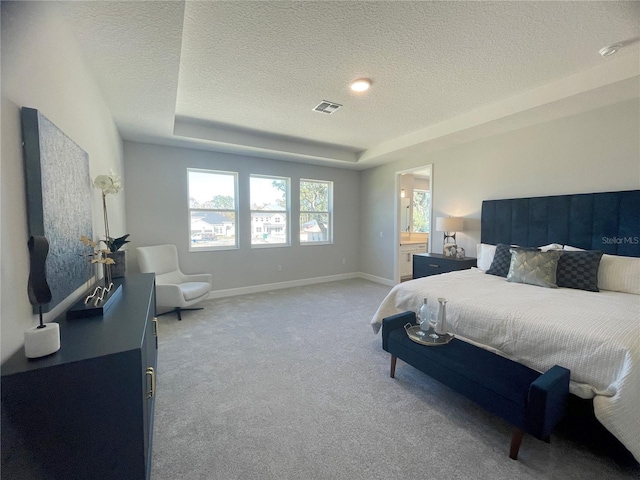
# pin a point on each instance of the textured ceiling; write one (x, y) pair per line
(245, 76)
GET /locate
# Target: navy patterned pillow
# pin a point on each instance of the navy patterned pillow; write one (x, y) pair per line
(502, 259)
(579, 270)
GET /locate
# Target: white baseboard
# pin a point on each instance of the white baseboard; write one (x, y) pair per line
(384, 281)
(266, 287)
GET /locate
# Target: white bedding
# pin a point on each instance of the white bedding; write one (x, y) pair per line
(596, 335)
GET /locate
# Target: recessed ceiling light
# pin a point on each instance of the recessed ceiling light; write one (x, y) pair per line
(361, 85)
(610, 50)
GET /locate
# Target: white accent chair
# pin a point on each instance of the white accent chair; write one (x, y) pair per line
(174, 289)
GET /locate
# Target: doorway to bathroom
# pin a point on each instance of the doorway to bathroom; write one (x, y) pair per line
(413, 218)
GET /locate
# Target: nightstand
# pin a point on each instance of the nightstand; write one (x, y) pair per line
(426, 264)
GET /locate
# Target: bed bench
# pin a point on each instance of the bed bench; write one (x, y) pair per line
(530, 401)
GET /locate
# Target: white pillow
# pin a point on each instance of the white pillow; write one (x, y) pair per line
(484, 254)
(569, 248)
(619, 274)
(551, 246)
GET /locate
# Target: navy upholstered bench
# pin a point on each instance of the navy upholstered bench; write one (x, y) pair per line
(530, 401)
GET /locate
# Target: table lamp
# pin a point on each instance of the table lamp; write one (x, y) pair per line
(449, 225)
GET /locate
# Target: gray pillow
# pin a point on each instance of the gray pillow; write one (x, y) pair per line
(579, 270)
(534, 268)
(502, 259)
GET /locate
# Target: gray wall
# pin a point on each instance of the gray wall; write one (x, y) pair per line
(42, 68)
(596, 151)
(156, 185)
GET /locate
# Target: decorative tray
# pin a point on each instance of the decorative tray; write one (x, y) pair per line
(419, 336)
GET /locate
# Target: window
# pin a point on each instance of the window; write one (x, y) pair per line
(316, 207)
(213, 209)
(269, 198)
(421, 209)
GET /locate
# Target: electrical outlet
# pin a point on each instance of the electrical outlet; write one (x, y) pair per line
(344, 261)
(380, 234)
(279, 268)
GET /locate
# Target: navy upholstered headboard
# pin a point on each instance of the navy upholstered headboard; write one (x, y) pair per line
(594, 221)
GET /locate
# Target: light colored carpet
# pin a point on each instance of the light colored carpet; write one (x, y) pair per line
(293, 384)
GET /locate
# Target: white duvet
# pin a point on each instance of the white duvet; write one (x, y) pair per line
(596, 335)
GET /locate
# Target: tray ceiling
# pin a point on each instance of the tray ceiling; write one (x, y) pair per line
(244, 77)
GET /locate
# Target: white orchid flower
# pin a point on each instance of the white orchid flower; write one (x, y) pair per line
(108, 183)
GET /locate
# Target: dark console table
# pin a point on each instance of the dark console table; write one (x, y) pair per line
(86, 411)
(426, 264)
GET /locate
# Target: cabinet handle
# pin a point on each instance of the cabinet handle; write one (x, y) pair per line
(433, 265)
(155, 326)
(151, 372)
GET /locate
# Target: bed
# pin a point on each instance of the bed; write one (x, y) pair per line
(590, 325)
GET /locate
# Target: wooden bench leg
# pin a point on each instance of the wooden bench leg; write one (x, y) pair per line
(393, 366)
(516, 440)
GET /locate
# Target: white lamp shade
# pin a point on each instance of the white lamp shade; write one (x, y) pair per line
(449, 224)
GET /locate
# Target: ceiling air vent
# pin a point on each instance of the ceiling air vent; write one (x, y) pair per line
(327, 107)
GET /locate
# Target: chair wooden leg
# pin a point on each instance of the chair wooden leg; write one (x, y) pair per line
(393, 366)
(516, 440)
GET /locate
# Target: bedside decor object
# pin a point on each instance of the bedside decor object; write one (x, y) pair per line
(459, 253)
(96, 304)
(44, 339)
(423, 316)
(449, 225)
(61, 212)
(118, 268)
(441, 323)
(100, 297)
(99, 257)
(111, 184)
(415, 333)
(450, 250)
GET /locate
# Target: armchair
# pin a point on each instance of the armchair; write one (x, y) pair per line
(174, 289)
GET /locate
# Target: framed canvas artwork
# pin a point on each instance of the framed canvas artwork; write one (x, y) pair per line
(58, 188)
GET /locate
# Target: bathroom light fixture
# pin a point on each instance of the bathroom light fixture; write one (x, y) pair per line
(361, 85)
(402, 193)
(449, 225)
(610, 50)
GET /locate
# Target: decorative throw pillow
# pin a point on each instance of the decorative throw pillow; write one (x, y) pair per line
(534, 267)
(502, 259)
(579, 269)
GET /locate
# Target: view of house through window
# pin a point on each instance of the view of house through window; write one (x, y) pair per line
(421, 209)
(213, 209)
(316, 205)
(269, 198)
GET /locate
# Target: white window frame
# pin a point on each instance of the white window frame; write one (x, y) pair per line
(286, 213)
(329, 212)
(235, 211)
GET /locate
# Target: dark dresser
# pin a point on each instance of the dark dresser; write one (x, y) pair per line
(426, 264)
(86, 411)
